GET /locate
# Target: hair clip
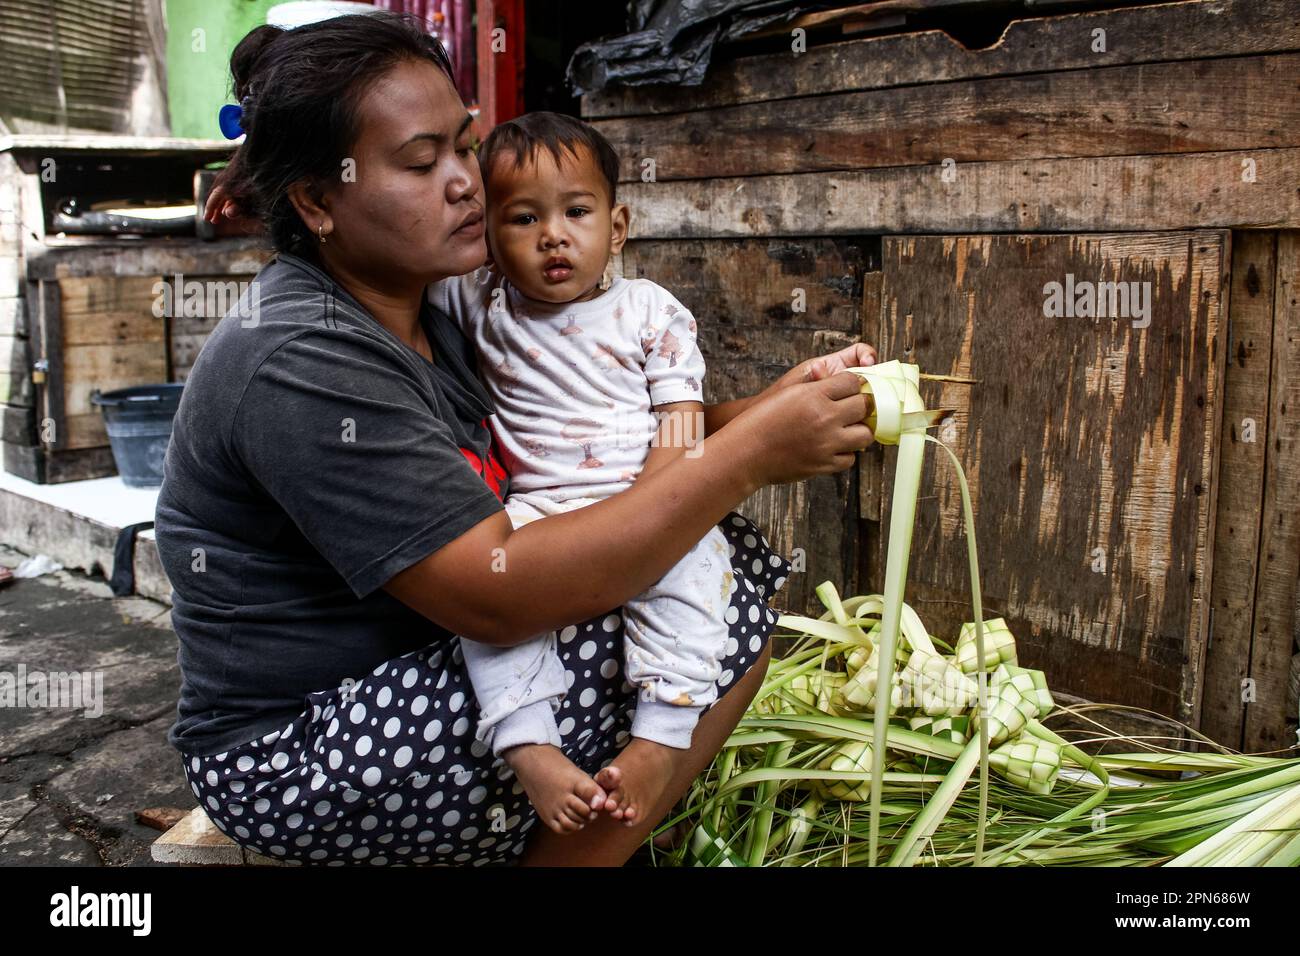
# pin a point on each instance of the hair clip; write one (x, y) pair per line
(228, 118)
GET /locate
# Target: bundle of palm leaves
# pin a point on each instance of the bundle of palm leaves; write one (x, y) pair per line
(826, 770)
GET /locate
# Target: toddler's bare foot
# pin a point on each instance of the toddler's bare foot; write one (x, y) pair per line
(636, 779)
(564, 797)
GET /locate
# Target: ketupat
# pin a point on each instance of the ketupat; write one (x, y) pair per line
(1051, 803)
(897, 416)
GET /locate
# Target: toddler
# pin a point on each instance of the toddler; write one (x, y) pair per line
(591, 386)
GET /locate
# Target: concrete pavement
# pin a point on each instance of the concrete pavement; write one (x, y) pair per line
(73, 777)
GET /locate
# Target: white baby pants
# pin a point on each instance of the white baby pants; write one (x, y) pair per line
(675, 635)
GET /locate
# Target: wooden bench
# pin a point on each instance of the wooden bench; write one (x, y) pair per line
(196, 841)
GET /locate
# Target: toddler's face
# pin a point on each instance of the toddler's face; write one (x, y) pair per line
(551, 227)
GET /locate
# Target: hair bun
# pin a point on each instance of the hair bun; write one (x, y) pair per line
(243, 61)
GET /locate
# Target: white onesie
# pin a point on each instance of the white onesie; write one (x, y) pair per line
(574, 386)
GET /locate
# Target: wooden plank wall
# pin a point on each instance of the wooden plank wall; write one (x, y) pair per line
(188, 333)
(111, 339)
(92, 317)
(1148, 119)
(1187, 119)
(763, 307)
(1089, 448)
(18, 423)
(1147, 34)
(1061, 114)
(1253, 655)
(1241, 485)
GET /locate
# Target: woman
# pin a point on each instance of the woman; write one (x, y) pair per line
(327, 530)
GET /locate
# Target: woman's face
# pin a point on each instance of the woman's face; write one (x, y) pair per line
(411, 211)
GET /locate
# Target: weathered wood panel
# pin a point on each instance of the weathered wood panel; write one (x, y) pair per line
(13, 317)
(17, 425)
(1138, 193)
(111, 339)
(1089, 445)
(188, 333)
(1188, 107)
(871, 461)
(106, 367)
(744, 296)
(25, 461)
(1165, 32)
(15, 371)
(44, 466)
(1279, 550)
(149, 257)
(1241, 485)
(109, 310)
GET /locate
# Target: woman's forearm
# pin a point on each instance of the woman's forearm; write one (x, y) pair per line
(499, 585)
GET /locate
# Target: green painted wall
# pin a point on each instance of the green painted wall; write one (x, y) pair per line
(198, 64)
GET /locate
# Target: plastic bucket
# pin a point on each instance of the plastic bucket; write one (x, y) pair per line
(139, 424)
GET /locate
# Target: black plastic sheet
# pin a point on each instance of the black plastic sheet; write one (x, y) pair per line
(672, 41)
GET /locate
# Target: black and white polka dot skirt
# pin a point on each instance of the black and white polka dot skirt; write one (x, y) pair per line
(387, 770)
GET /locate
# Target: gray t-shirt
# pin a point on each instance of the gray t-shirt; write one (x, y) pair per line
(313, 457)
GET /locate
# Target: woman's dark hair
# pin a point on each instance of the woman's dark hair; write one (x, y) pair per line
(300, 90)
(520, 138)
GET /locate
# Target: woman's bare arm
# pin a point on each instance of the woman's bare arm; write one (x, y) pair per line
(501, 586)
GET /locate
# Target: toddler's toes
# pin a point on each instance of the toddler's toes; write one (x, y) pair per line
(560, 823)
(592, 795)
(577, 810)
(611, 778)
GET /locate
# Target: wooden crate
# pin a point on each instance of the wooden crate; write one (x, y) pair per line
(97, 332)
(101, 332)
(78, 313)
(17, 408)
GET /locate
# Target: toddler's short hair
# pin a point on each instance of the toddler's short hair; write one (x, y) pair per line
(522, 137)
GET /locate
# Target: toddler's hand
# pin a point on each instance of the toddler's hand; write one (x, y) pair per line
(824, 366)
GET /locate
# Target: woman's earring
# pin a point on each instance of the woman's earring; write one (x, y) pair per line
(320, 231)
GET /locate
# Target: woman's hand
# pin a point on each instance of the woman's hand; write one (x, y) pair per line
(216, 205)
(717, 415)
(220, 205)
(804, 428)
